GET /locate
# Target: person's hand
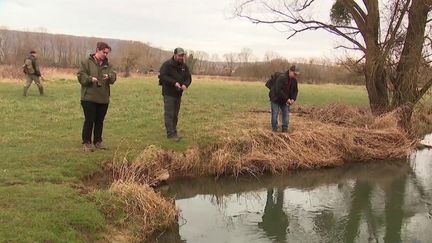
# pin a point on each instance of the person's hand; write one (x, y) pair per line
(178, 86)
(184, 87)
(106, 77)
(94, 80)
(290, 101)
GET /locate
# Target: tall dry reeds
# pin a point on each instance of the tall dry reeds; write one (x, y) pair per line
(137, 209)
(312, 145)
(317, 141)
(422, 120)
(11, 73)
(144, 207)
(132, 203)
(145, 169)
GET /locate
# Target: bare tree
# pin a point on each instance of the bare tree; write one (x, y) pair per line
(201, 57)
(191, 61)
(271, 55)
(389, 35)
(129, 56)
(196, 61)
(230, 60)
(3, 45)
(244, 55)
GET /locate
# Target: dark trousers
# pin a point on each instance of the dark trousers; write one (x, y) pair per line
(171, 112)
(94, 115)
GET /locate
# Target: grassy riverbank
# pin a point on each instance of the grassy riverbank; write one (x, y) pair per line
(42, 166)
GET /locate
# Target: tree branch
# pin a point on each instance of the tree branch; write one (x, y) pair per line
(293, 21)
(348, 48)
(305, 5)
(393, 35)
(424, 89)
(358, 15)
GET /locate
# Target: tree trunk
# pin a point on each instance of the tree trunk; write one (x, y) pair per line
(405, 83)
(376, 85)
(375, 74)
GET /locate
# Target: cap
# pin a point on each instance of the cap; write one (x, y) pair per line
(294, 69)
(32, 52)
(179, 51)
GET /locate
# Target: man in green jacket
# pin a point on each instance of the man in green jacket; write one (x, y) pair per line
(32, 71)
(95, 76)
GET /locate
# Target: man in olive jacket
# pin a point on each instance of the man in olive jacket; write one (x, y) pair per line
(32, 71)
(282, 94)
(95, 76)
(175, 78)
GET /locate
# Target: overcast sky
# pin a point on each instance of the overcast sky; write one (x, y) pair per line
(203, 25)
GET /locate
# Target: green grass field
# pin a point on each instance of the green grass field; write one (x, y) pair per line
(41, 156)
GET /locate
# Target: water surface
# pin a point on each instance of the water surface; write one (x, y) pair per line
(372, 202)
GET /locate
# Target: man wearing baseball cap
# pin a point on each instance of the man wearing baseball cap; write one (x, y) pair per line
(283, 94)
(175, 78)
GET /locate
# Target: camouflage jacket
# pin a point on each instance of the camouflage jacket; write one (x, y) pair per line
(31, 66)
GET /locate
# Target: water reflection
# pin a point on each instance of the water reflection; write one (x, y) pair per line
(360, 206)
(275, 219)
(374, 202)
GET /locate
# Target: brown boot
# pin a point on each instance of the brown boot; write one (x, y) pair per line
(87, 147)
(175, 138)
(100, 145)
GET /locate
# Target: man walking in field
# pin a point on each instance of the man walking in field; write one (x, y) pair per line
(175, 78)
(283, 93)
(32, 71)
(95, 76)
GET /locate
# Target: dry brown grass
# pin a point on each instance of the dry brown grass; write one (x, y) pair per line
(338, 114)
(14, 74)
(314, 143)
(147, 209)
(422, 120)
(223, 78)
(144, 169)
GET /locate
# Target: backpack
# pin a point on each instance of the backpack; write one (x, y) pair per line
(272, 79)
(24, 69)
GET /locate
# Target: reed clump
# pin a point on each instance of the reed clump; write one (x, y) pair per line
(315, 143)
(137, 208)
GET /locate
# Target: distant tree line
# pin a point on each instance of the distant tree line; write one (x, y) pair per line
(245, 66)
(310, 72)
(66, 51)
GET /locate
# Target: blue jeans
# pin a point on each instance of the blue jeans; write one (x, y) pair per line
(275, 107)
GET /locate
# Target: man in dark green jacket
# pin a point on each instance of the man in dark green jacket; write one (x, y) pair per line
(32, 71)
(95, 76)
(175, 78)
